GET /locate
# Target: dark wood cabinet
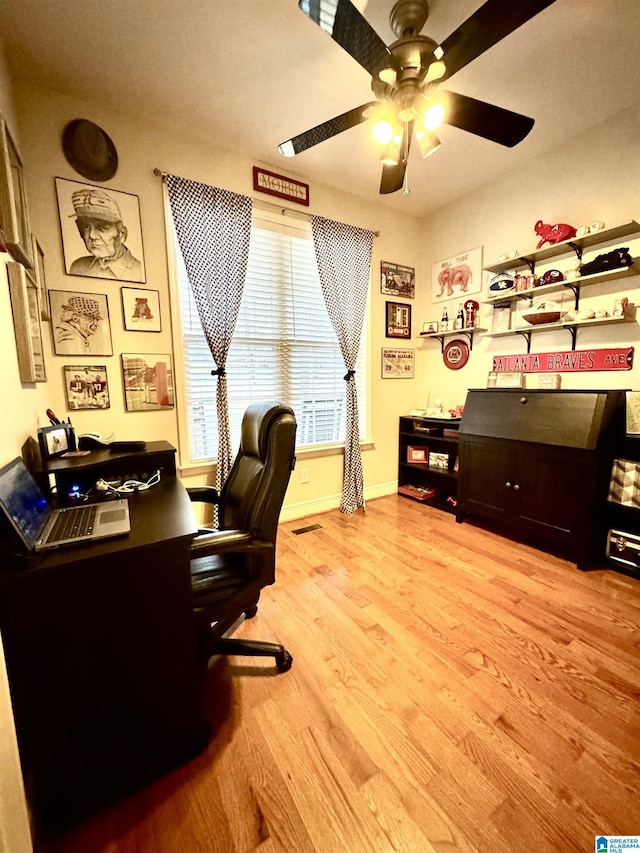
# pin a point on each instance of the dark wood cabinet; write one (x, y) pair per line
(538, 462)
(422, 443)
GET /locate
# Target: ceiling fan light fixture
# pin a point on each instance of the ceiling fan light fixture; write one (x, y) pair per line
(393, 152)
(383, 131)
(428, 142)
(388, 75)
(436, 71)
(434, 116)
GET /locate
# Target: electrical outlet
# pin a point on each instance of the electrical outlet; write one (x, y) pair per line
(304, 475)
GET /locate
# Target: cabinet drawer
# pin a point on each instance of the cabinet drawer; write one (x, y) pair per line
(560, 418)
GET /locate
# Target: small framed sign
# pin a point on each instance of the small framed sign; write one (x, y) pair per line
(280, 186)
(398, 320)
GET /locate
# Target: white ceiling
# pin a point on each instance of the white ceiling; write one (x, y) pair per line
(248, 74)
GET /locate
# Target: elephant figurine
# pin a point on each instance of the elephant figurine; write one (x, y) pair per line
(553, 233)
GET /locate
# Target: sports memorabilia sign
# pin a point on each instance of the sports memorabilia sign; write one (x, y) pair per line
(572, 361)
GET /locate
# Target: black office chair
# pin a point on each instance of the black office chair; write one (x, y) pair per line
(231, 565)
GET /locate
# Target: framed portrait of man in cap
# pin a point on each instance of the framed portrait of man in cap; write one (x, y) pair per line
(101, 232)
(80, 323)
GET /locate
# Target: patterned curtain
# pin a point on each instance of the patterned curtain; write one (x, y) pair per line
(343, 254)
(213, 228)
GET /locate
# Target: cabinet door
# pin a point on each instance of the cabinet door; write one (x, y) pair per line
(555, 492)
(486, 477)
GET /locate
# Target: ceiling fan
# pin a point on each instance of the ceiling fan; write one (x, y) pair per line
(406, 77)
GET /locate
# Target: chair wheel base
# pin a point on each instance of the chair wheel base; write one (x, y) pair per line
(250, 612)
(284, 661)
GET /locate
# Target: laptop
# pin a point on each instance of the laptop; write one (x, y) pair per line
(40, 527)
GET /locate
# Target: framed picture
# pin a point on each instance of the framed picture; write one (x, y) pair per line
(141, 310)
(430, 328)
(37, 274)
(398, 363)
(56, 440)
(25, 308)
(458, 276)
(13, 200)
(80, 323)
(148, 381)
(510, 380)
(397, 280)
(86, 386)
(439, 460)
(632, 399)
(101, 232)
(418, 455)
(398, 320)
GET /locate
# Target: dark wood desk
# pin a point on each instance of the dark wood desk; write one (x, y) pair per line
(101, 655)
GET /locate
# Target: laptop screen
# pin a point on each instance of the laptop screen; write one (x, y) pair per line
(23, 501)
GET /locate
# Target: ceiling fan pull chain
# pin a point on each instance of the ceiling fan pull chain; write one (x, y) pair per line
(405, 183)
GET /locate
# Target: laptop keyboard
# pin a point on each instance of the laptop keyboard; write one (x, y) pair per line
(73, 523)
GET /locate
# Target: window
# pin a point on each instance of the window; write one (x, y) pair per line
(284, 346)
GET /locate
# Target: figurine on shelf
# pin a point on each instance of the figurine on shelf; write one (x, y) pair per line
(553, 233)
(471, 308)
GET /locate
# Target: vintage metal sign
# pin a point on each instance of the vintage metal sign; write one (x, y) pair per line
(280, 186)
(572, 361)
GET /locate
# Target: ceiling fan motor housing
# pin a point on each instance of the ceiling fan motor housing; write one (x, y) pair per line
(408, 16)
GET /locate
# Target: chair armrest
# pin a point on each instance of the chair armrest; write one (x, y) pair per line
(224, 541)
(206, 494)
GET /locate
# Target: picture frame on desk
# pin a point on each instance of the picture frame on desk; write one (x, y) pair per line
(55, 440)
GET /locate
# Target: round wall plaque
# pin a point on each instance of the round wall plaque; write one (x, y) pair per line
(456, 354)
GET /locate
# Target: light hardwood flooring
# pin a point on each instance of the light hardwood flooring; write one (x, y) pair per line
(451, 691)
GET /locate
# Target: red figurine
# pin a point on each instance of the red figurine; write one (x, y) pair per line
(470, 311)
(553, 233)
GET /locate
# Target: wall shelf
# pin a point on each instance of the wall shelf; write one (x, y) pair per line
(572, 284)
(572, 327)
(467, 332)
(575, 244)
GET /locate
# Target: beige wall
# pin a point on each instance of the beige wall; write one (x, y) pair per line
(593, 178)
(15, 425)
(141, 147)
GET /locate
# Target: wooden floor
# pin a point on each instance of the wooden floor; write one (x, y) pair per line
(451, 691)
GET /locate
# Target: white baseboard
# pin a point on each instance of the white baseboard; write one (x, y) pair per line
(313, 507)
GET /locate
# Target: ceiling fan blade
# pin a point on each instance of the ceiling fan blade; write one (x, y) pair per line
(486, 120)
(393, 176)
(351, 31)
(487, 26)
(323, 131)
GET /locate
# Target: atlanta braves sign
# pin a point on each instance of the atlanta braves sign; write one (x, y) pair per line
(572, 361)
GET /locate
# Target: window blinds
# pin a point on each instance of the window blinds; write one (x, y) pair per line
(283, 348)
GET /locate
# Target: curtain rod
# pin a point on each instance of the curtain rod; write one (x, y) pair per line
(269, 205)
